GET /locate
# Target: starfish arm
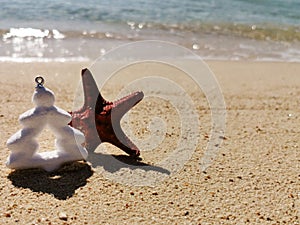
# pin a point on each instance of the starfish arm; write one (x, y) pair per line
(91, 92)
(124, 143)
(85, 122)
(123, 105)
(115, 135)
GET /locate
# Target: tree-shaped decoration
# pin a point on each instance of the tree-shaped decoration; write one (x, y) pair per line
(24, 144)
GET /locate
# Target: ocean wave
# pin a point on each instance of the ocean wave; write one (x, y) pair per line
(253, 31)
(135, 31)
(210, 41)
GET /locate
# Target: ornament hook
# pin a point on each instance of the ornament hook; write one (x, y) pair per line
(39, 81)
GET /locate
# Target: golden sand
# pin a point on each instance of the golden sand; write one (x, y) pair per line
(255, 178)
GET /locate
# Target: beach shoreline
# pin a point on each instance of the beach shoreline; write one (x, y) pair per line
(254, 178)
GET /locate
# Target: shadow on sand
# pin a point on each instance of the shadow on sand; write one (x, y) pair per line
(113, 163)
(61, 183)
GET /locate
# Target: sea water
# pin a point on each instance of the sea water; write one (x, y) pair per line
(77, 30)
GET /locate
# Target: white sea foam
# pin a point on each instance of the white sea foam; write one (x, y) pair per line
(25, 33)
(42, 59)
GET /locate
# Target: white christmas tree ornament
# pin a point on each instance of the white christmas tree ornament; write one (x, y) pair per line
(24, 144)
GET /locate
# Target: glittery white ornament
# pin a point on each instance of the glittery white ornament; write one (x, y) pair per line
(24, 144)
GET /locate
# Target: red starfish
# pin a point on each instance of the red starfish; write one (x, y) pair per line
(100, 120)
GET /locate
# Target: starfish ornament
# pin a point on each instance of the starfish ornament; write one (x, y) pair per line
(100, 120)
